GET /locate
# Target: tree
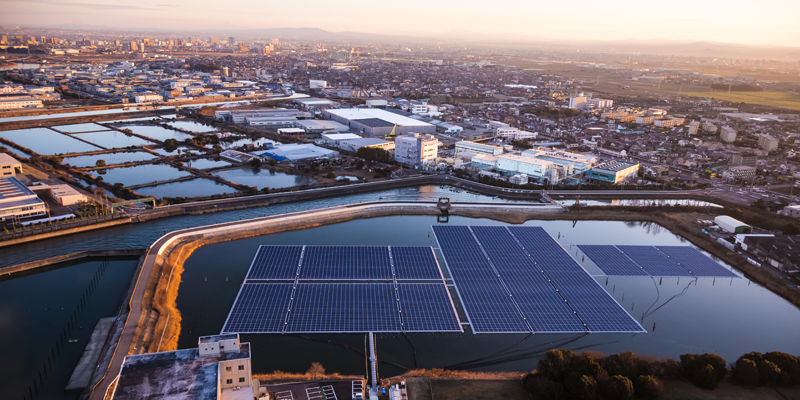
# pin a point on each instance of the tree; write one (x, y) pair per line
(554, 364)
(618, 388)
(331, 175)
(100, 163)
(706, 378)
(647, 387)
(769, 372)
(272, 162)
(540, 387)
(581, 387)
(746, 372)
(360, 164)
(373, 154)
(791, 229)
(316, 370)
(255, 162)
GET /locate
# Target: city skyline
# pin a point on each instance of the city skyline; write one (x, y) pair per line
(684, 20)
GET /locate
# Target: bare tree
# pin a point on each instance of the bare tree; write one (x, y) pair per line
(316, 370)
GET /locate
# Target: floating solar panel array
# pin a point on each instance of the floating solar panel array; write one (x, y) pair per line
(519, 279)
(332, 289)
(654, 261)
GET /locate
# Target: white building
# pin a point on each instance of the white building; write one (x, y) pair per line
(478, 148)
(375, 143)
(319, 126)
(572, 163)
(693, 126)
(576, 102)
(531, 167)
(416, 149)
(727, 135)
(17, 201)
(333, 139)
(484, 161)
(65, 195)
(147, 98)
(317, 84)
(9, 166)
(25, 102)
(767, 143)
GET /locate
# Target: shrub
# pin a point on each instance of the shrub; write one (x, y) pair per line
(331, 175)
(746, 372)
(581, 387)
(585, 364)
(691, 364)
(788, 364)
(617, 387)
(706, 377)
(647, 387)
(255, 162)
(100, 163)
(554, 364)
(769, 372)
(540, 387)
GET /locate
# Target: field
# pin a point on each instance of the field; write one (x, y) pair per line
(774, 99)
(423, 389)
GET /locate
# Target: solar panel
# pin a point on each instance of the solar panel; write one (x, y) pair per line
(593, 305)
(544, 309)
(346, 262)
(548, 254)
(344, 307)
(487, 303)
(275, 262)
(653, 261)
(426, 307)
(697, 263)
(259, 308)
(415, 263)
(612, 261)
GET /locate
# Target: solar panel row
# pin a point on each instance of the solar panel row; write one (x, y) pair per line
(655, 261)
(342, 307)
(343, 263)
(502, 270)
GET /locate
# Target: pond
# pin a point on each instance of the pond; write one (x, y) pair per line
(35, 309)
(157, 132)
(263, 177)
(205, 163)
(192, 126)
(728, 317)
(14, 151)
(192, 188)
(112, 139)
(47, 141)
(139, 174)
(635, 202)
(77, 128)
(109, 158)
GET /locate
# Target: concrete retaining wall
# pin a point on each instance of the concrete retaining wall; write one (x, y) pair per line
(71, 257)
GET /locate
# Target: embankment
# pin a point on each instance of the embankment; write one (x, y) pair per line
(71, 257)
(159, 324)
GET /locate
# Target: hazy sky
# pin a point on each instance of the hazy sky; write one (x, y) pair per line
(774, 22)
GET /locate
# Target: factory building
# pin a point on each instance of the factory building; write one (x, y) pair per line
(511, 164)
(614, 171)
(574, 162)
(319, 126)
(355, 144)
(416, 149)
(478, 148)
(241, 116)
(374, 122)
(17, 201)
(297, 151)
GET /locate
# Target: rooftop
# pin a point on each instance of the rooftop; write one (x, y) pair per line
(615, 165)
(371, 113)
(180, 374)
(7, 159)
(11, 190)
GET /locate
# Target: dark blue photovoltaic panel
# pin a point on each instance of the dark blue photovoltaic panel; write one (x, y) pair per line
(344, 307)
(653, 261)
(415, 263)
(595, 307)
(547, 253)
(697, 263)
(426, 307)
(544, 309)
(346, 262)
(259, 308)
(612, 261)
(487, 303)
(275, 262)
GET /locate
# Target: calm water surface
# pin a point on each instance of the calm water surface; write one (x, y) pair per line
(140, 174)
(157, 132)
(34, 312)
(724, 316)
(112, 139)
(192, 188)
(192, 126)
(110, 158)
(77, 128)
(47, 141)
(264, 177)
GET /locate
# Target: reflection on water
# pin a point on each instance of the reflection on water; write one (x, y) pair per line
(47, 141)
(140, 174)
(192, 188)
(264, 177)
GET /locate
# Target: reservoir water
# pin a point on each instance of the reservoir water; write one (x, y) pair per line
(729, 317)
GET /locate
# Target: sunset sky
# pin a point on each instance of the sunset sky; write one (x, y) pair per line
(773, 22)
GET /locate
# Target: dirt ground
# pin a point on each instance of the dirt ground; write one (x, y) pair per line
(682, 390)
(423, 389)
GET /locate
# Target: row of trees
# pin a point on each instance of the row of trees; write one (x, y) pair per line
(562, 374)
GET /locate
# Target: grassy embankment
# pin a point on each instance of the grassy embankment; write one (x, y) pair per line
(282, 377)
